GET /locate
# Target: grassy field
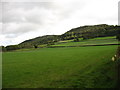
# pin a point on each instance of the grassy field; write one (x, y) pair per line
(88, 67)
(94, 41)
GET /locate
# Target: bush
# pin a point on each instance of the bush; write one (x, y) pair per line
(76, 40)
(35, 46)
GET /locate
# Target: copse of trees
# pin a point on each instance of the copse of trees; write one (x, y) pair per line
(76, 39)
(2, 49)
(12, 47)
(118, 35)
(35, 46)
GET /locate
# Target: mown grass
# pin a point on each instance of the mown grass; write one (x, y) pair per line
(74, 67)
(101, 38)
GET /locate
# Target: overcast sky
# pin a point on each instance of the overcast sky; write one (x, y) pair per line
(25, 19)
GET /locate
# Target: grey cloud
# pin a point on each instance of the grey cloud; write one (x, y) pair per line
(14, 12)
(26, 5)
(24, 17)
(11, 35)
(18, 28)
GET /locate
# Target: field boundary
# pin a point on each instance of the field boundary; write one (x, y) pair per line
(82, 45)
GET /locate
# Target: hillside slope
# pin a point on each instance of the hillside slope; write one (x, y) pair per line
(83, 32)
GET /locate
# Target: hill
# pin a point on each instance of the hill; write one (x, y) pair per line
(40, 40)
(83, 32)
(87, 32)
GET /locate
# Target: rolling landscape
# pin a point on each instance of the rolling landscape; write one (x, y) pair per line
(83, 57)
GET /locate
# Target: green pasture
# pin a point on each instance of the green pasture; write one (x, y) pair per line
(94, 41)
(71, 67)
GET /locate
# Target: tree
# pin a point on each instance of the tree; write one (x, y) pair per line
(118, 35)
(76, 39)
(35, 46)
(2, 49)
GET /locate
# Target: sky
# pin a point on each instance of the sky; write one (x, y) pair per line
(26, 19)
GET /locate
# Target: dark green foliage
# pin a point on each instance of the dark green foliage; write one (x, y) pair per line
(35, 46)
(118, 35)
(76, 39)
(12, 47)
(41, 40)
(118, 52)
(2, 49)
(50, 43)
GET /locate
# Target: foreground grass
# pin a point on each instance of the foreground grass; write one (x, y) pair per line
(60, 67)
